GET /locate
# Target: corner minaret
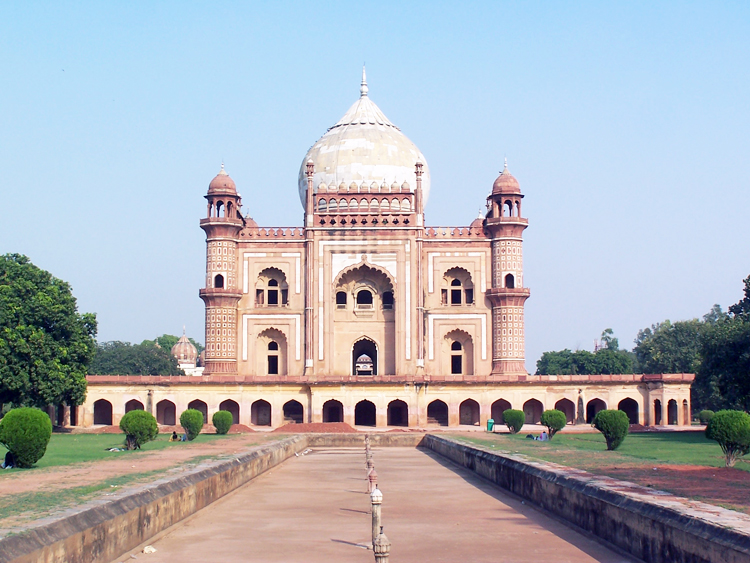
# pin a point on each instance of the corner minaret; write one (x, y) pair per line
(221, 294)
(505, 226)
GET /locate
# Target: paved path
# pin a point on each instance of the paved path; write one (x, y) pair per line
(315, 509)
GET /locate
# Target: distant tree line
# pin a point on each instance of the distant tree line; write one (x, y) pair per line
(150, 357)
(715, 348)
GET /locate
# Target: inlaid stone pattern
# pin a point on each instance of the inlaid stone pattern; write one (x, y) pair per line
(221, 332)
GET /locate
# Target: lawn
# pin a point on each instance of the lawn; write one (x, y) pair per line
(64, 449)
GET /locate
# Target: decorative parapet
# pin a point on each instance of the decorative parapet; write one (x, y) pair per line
(273, 233)
(454, 232)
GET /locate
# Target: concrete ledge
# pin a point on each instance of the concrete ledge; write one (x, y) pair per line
(653, 526)
(106, 531)
(377, 439)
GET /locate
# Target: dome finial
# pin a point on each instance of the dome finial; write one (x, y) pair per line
(363, 89)
(222, 171)
(505, 165)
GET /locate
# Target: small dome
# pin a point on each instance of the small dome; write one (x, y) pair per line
(506, 183)
(250, 222)
(364, 359)
(222, 183)
(184, 351)
(478, 223)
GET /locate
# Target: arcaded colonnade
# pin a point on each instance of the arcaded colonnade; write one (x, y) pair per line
(647, 399)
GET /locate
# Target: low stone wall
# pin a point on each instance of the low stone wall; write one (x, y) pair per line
(630, 517)
(106, 531)
(377, 439)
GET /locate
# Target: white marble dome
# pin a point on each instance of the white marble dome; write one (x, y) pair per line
(364, 146)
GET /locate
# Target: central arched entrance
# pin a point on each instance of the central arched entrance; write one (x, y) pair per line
(364, 413)
(437, 413)
(398, 413)
(293, 412)
(260, 413)
(333, 411)
(364, 357)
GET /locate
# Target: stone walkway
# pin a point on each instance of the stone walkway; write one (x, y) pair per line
(315, 508)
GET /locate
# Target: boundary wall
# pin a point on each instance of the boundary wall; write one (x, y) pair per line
(632, 518)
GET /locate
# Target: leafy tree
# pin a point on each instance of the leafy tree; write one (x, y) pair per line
(139, 427)
(514, 420)
(45, 345)
(123, 358)
(614, 424)
(742, 308)
(609, 340)
(222, 421)
(607, 360)
(723, 381)
(554, 420)
(731, 429)
(669, 347)
(26, 432)
(192, 421)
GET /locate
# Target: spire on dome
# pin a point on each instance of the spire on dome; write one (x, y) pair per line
(505, 166)
(223, 172)
(363, 89)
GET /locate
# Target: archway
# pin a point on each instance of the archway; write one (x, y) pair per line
(199, 405)
(398, 413)
(497, 410)
(657, 412)
(568, 407)
(672, 412)
(437, 413)
(333, 411)
(166, 413)
(294, 412)
(685, 413)
(133, 405)
(102, 412)
(364, 413)
(231, 406)
(533, 410)
(260, 413)
(593, 407)
(468, 412)
(364, 357)
(629, 407)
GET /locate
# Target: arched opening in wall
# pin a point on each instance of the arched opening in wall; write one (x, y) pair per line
(166, 413)
(333, 411)
(468, 412)
(364, 414)
(271, 352)
(657, 412)
(593, 407)
(273, 358)
(133, 405)
(533, 409)
(457, 356)
(260, 413)
(364, 299)
(74, 415)
(685, 413)
(341, 299)
(388, 300)
(629, 407)
(218, 281)
(230, 207)
(398, 413)
(510, 281)
(220, 209)
(200, 406)
(231, 406)
(458, 353)
(322, 206)
(497, 410)
(672, 412)
(437, 413)
(293, 412)
(364, 357)
(458, 288)
(508, 208)
(271, 289)
(102, 412)
(517, 208)
(568, 407)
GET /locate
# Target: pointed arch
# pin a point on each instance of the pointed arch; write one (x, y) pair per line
(458, 353)
(271, 352)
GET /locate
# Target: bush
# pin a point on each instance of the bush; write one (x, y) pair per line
(192, 421)
(732, 430)
(554, 420)
(139, 427)
(614, 425)
(26, 433)
(514, 420)
(222, 421)
(705, 416)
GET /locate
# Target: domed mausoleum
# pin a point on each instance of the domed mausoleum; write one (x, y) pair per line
(364, 314)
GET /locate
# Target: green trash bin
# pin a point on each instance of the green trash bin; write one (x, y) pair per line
(490, 425)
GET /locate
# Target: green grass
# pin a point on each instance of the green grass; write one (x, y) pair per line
(65, 449)
(577, 449)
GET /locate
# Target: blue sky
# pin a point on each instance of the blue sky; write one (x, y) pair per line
(627, 125)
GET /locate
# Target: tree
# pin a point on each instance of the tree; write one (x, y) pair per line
(723, 380)
(741, 309)
(609, 340)
(45, 345)
(669, 348)
(608, 359)
(123, 358)
(731, 429)
(26, 432)
(614, 424)
(554, 420)
(139, 427)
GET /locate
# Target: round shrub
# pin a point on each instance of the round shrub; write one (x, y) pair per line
(732, 430)
(192, 421)
(554, 420)
(514, 420)
(705, 416)
(139, 427)
(222, 421)
(26, 433)
(614, 425)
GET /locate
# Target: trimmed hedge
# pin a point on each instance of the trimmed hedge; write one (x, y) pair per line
(26, 432)
(192, 421)
(554, 420)
(139, 427)
(705, 416)
(222, 421)
(514, 420)
(614, 424)
(732, 430)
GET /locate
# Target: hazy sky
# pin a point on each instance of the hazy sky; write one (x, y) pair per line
(627, 125)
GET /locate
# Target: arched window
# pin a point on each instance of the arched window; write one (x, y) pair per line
(388, 300)
(219, 281)
(458, 288)
(456, 297)
(341, 299)
(510, 282)
(364, 299)
(457, 356)
(271, 289)
(273, 292)
(322, 205)
(273, 358)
